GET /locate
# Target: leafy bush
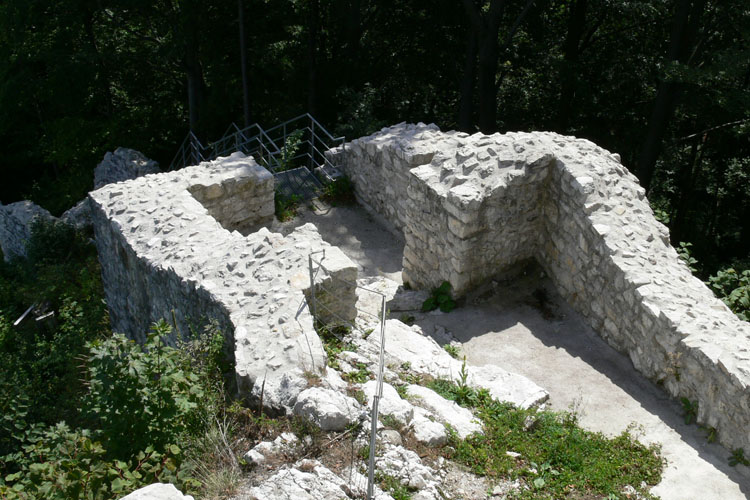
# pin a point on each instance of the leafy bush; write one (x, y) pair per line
(141, 402)
(60, 275)
(734, 289)
(141, 395)
(60, 463)
(440, 298)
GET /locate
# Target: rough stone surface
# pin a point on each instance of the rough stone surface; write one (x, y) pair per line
(471, 206)
(264, 450)
(406, 466)
(16, 220)
(447, 412)
(390, 403)
(408, 346)
(157, 491)
(121, 165)
(428, 431)
(328, 409)
(166, 255)
(78, 216)
(307, 480)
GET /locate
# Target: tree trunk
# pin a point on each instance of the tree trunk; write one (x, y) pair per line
(488, 53)
(685, 186)
(569, 70)
(466, 103)
(312, 56)
(104, 79)
(243, 64)
(684, 27)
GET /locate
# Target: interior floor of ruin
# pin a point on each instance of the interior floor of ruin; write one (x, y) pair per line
(525, 327)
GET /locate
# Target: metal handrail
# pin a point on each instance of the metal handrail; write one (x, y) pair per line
(268, 147)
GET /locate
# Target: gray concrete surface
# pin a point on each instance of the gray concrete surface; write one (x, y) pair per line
(525, 327)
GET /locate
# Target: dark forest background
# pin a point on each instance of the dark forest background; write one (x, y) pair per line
(665, 83)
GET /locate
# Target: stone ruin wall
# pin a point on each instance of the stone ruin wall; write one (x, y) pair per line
(166, 255)
(471, 206)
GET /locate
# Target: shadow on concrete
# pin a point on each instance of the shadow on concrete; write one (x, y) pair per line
(524, 326)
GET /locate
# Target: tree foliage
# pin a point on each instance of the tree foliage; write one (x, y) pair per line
(663, 83)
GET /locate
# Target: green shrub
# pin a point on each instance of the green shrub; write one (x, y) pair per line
(142, 396)
(60, 463)
(440, 298)
(734, 289)
(572, 462)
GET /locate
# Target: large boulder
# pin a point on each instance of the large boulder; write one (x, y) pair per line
(328, 409)
(121, 165)
(16, 221)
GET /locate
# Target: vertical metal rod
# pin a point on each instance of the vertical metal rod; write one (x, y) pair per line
(312, 288)
(312, 147)
(375, 401)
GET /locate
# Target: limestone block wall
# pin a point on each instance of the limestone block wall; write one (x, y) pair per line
(477, 204)
(379, 165)
(613, 262)
(164, 255)
(240, 203)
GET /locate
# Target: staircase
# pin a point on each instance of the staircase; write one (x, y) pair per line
(292, 151)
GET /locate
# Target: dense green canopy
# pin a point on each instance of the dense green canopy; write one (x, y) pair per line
(663, 82)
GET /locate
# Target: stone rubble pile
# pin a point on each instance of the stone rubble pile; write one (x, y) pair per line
(166, 255)
(470, 206)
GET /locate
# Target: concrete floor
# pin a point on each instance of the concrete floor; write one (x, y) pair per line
(525, 327)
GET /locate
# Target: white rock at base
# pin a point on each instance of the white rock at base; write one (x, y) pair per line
(328, 409)
(157, 491)
(449, 412)
(307, 480)
(390, 404)
(428, 432)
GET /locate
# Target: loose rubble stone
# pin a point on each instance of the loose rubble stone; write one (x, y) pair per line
(264, 450)
(471, 206)
(408, 346)
(428, 431)
(16, 221)
(447, 412)
(390, 404)
(166, 255)
(328, 409)
(406, 466)
(157, 491)
(121, 165)
(306, 480)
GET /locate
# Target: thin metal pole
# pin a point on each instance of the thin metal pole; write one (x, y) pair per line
(312, 143)
(312, 288)
(375, 401)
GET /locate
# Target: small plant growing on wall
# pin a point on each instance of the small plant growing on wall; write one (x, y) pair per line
(440, 298)
(286, 206)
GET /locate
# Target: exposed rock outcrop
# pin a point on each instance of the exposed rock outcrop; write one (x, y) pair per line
(16, 221)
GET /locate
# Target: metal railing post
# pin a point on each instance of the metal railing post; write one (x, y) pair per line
(312, 145)
(375, 402)
(312, 288)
